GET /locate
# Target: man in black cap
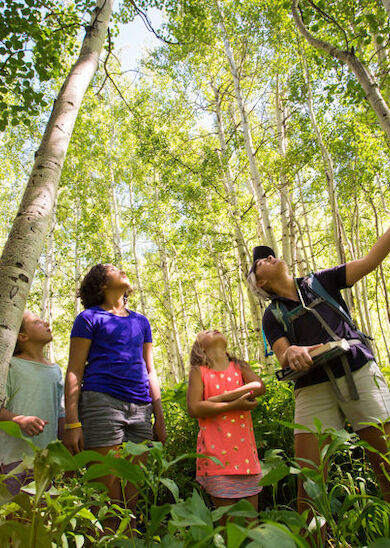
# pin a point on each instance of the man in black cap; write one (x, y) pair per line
(303, 314)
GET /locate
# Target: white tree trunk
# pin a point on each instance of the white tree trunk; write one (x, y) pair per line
(328, 168)
(77, 273)
(241, 307)
(167, 297)
(198, 306)
(47, 295)
(183, 310)
(307, 226)
(386, 5)
(284, 186)
(243, 251)
(48, 271)
(134, 249)
(363, 74)
(254, 170)
(27, 236)
(116, 238)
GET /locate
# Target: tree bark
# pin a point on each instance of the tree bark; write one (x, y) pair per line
(47, 294)
(77, 303)
(27, 236)
(48, 271)
(328, 167)
(284, 186)
(134, 248)
(116, 238)
(243, 251)
(307, 225)
(254, 170)
(386, 5)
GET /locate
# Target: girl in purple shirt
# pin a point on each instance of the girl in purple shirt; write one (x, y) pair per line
(111, 386)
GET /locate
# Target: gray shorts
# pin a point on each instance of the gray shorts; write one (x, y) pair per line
(107, 421)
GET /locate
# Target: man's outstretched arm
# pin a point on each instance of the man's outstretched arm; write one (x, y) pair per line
(355, 270)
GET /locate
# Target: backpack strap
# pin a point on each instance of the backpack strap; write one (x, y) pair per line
(286, 319)
(267, 353)
(347, 369)
(283, 317)
(319, 290)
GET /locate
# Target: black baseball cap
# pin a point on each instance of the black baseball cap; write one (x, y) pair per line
(261, 252)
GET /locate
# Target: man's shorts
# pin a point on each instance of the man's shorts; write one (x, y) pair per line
(319, 400)
(107, 421)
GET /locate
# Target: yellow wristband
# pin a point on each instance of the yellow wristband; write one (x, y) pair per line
(72, 425)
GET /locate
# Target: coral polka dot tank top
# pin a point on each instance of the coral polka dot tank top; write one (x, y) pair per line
(229, 436)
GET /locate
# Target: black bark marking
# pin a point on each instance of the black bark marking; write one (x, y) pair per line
(23, 278)
(60, 128)
(2, 326)
(19, 265)
(13, 291)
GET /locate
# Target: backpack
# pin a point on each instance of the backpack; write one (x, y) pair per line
(286, 317)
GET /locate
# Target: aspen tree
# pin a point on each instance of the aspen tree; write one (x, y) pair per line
(26, 239)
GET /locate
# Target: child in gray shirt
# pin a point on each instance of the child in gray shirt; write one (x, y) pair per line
(34, 398)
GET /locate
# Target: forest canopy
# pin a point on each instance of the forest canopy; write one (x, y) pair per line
(250, 122)
(234, 131)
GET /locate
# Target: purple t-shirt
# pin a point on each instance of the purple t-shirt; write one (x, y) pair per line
(115, 363)
(308, 330)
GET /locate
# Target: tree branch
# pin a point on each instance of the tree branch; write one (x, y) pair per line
(149, 26)
(331, 19)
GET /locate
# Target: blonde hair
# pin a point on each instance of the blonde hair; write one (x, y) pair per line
(199, 357)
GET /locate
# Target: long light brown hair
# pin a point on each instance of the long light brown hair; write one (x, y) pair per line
(198, 355)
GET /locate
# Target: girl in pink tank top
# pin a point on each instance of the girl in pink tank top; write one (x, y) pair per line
(221, 394)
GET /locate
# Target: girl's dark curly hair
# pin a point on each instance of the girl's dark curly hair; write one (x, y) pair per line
(91, 289)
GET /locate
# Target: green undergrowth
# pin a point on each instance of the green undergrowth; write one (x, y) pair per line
(173, 512)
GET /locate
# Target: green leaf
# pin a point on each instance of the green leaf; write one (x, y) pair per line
(317, 424)
(275, 475)
(116, 466)
(380, 543)
(157, 514)
(235, 534)
(294, 425)
(5, 495)
(169, 541)
(13, 429)
(131, 448)
(57, 456)
(173, 488)
(242, 508)
(312, 489)
(270, 535)
(86, 457)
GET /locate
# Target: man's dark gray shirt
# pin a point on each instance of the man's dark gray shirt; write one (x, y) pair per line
(309, 331)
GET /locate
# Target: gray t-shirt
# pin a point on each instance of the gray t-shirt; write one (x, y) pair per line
(35, 389)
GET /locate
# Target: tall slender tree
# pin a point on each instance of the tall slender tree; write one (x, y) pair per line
(27, 236)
